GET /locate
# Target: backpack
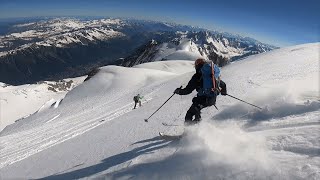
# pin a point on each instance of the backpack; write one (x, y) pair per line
(137, 98)
(210, 74)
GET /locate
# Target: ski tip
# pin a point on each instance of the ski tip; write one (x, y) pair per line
(170, 137)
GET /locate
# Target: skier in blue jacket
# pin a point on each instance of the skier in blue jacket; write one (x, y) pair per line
(203, 99)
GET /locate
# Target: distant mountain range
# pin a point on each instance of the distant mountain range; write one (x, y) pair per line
(58, 48)
(189, 45)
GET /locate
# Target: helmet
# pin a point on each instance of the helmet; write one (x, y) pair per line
(199, 62)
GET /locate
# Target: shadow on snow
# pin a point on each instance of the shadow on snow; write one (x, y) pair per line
(112, 161)
(271, 111)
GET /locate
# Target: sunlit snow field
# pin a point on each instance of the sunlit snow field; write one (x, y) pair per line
(95, 133)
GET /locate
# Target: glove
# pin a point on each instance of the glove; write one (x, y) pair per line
(223, 93)
(177, 91)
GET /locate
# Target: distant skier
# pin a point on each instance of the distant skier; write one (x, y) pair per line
(137, 99)
(207, 83)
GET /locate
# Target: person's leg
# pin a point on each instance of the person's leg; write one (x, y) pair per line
(135, 104)
(190, 114)
(139, 103)
(194, 110)
(199, 102)
(197, 116)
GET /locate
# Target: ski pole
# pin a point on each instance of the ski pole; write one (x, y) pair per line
(244, 101)
(146, 120)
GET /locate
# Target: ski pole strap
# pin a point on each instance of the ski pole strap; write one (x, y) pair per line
(244, 101)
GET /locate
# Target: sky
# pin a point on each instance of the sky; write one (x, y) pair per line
(277, 22)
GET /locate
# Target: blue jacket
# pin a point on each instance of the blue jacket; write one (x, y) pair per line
(196, 82)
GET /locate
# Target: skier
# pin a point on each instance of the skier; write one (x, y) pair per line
(208, 87)
(137, 99)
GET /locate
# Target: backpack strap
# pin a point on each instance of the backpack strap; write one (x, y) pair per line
(214, 86)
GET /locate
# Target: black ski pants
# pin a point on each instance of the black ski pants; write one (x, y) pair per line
(198, 103)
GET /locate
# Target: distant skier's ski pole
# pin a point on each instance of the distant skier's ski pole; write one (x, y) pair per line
(244, 101)
(146, 120)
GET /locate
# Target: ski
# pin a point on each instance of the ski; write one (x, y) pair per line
(168, 124)
(170, 137)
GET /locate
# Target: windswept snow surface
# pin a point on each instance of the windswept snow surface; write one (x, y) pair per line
(18, 102)
(94, 133)
(186, 50)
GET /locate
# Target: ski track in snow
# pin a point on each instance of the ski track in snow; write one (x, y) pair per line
(52, 133)
(53, 118)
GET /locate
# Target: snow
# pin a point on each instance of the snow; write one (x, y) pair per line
(26, 34)
(24, 25)
(42, 43)
(185, 50)
(66, 23)
(169, 66)
(184, 54)
(189, 50)
(91, 35)
(224, 49)
(111, 21)
(3, 53)
(19, 102)
(94, 133)
(3, 84)
(60, 32)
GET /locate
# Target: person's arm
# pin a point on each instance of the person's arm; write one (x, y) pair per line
(192, 84)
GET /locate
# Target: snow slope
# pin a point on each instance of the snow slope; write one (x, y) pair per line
(185, 50)
(18, 102)
(95, 133)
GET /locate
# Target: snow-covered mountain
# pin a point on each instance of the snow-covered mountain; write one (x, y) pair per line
(60, 48)
(219, 48)
(58, 33)
(95, 133)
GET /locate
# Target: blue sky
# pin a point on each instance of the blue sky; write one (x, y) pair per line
(278, 22)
